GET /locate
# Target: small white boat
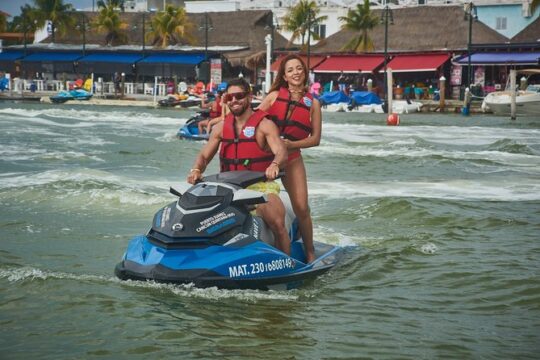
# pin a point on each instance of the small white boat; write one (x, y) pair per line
(364, 102)
(338, 107)
(402, 107)
(398, 107)
(527, 101)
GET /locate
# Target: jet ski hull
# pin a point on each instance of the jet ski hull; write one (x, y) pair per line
(253, 266)
(211, 238)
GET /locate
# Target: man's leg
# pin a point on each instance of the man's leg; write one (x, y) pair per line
(273, 214)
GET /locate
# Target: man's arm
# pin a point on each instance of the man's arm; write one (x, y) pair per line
(205, 155)
(276, 145)
(268, 101)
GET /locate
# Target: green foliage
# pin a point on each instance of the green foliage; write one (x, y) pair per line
(108, 22)
(171, 27)
(534, 5)
(3, 22)
(115, 4)
(361, 21)
(57, 12)
(301, 18)
(25, 22)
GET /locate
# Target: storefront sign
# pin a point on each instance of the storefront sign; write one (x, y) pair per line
(480, 75)
(215, 71)
(455, 76)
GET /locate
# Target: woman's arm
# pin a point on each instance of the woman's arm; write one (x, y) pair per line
(316, 130)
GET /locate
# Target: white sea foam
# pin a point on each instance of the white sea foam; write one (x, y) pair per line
(76, 175)
(488, 190)
(22, 153)
(15, 275)
(429, 248)
(393, 149)
(107, 188)
(331, 236)
(87, 118)
(451, 135)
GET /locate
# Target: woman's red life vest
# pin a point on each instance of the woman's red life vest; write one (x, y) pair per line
(241, 151)
(216, 108)
(298, 125)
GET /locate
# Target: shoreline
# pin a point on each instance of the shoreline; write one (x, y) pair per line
(139, 100)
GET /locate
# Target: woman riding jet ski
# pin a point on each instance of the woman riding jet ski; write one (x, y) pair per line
(208, 237)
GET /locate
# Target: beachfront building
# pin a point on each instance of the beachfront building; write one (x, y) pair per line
(217, 51)
(423, 43)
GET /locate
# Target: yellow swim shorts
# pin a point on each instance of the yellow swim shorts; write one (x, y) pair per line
(266, 187)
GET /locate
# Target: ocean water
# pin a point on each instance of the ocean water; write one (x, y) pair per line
(444, 212)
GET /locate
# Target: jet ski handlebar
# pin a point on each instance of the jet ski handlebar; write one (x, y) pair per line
(243, 178)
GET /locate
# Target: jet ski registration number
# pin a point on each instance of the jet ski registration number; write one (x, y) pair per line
(260, 267)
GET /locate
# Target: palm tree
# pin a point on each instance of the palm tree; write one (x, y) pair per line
(108, 22)
(301, 18)
(55, 11)
(116, 4)
(171, 26)
(534, 5)
(3, 22)
(361, 21)
(25, 22)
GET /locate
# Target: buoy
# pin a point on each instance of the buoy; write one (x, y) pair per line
(392, 120)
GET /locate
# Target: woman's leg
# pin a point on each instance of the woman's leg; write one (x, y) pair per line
(295, 183)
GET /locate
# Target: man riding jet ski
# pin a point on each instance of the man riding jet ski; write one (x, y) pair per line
(248, 140)
(242, 139)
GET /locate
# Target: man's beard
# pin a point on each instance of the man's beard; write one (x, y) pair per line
(240, 111)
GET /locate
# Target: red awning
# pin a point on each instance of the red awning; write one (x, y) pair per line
(313, 61)
(350, 64)
(417, 62)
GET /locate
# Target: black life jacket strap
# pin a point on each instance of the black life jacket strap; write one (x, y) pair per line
(289, 137)
(293, 102)
(236, 140)
(298, 124)
(241, 161)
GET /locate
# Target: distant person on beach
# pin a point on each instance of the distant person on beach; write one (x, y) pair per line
(298, 116)
(117, 80)
(248, 140)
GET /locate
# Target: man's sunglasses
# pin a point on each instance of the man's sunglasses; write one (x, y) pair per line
(237, 95)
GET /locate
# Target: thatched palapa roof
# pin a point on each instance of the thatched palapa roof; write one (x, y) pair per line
(241, 29)
(420, 28)
(531, 34)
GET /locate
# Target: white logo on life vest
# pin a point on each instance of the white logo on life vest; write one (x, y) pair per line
(249, 131)
(307, 101)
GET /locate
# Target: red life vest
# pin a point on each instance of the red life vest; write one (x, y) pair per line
(216, 109)
(241, 151)
(298, 125)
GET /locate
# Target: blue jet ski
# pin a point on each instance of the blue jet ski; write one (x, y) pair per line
(190, 129)
(75, 94)
(208, 237)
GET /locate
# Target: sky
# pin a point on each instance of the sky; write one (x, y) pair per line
(13, 7)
